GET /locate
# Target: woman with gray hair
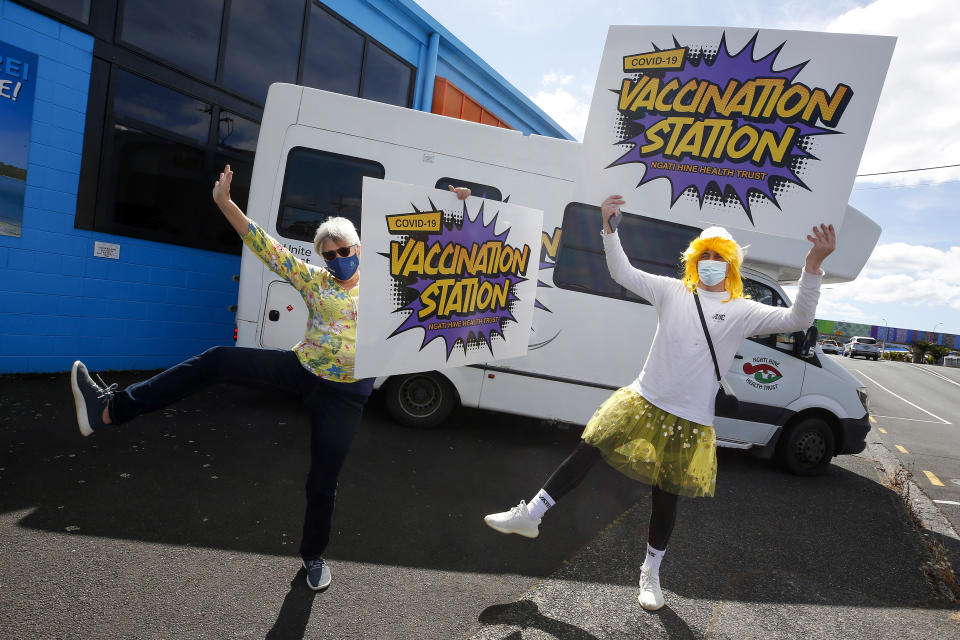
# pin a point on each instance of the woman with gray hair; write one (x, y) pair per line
(319, 369)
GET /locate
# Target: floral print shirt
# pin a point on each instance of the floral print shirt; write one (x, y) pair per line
(329, 345)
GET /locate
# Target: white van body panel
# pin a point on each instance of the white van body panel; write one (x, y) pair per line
(830, 390)
(585, 345)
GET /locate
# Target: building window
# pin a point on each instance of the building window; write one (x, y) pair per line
(142, 103)
(652, 245)
(158, 164)
(78, 10)
(236, 132)
(318, 185)
(476, 189)
(185, 33)
(263, 45)
(176, 89)
(340, 58)
(385, 77)
(333, 60)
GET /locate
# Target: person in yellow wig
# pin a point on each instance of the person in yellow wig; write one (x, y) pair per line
(659, 428)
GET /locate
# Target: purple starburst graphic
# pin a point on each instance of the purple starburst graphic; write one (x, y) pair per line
(723, 68)
(466, 329)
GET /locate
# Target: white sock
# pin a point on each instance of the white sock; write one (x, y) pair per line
(653, 559)
(539, 504)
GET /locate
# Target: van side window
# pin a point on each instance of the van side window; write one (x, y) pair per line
(652, 245)
(476, 189)
(766, 295)
(319, 184)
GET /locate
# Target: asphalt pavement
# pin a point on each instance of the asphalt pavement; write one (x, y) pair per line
(916, 412)
(184, 524)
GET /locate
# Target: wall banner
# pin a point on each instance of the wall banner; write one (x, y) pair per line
(445, 282)
(746, 128)
(18, 73)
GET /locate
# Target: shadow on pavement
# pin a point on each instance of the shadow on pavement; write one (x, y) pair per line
(294, 613)
(225, 469)
(525, 614)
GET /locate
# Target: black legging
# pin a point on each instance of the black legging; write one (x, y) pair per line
(574, 469)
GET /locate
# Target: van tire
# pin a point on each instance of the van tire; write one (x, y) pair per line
(807, 447)
(420, 400)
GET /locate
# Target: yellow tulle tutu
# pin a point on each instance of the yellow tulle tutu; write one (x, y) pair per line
(649, 444)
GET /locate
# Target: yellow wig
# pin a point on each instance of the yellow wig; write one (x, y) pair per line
(725, 247)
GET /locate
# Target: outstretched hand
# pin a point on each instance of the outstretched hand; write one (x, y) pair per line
(221, 190)
(824, 241)
(462, 192)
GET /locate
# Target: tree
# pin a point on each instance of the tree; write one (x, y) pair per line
(937, 352)
(920, 349)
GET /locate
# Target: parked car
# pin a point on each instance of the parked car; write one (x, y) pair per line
(831, 346)
(862, 346)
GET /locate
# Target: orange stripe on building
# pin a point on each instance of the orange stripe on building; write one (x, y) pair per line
(450, 100)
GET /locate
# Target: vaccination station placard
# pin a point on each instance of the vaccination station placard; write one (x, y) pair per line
(745, 128)
(445, 282)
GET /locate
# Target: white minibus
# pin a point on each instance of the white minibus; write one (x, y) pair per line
(589, 335)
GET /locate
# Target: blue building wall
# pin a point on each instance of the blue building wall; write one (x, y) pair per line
(151, 308)
(158, 303)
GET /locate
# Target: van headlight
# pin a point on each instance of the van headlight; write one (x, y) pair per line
(862, 392)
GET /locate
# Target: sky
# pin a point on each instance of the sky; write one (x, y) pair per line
(550, 50)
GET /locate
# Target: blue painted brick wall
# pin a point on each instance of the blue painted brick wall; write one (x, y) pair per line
(155, 306)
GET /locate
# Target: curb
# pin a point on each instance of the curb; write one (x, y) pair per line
(930, 515)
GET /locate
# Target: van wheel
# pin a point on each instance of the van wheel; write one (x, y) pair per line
(807, 447)
(420, 400)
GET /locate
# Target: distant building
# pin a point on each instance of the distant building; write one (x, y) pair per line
(846, 330)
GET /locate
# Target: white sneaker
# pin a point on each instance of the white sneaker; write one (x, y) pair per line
(651, 598)
(517, 520)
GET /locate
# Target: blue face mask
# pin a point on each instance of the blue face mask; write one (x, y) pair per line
(712, 271)
(343, 268)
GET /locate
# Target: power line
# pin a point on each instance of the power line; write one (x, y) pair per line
(886, 173)
(905, 186)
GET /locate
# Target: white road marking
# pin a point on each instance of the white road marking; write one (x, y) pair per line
(926, 369)
(947, 502)
(911, 419)
(901, 397)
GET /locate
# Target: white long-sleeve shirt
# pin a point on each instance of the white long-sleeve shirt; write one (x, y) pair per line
(678, 375)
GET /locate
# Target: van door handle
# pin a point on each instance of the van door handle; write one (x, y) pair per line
(738, 357)
(274, 315)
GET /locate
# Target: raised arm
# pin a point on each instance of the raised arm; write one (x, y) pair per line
(763, 319)
(221, 195)
(646, 285)
(273, 254)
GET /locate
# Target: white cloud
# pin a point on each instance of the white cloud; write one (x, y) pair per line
(900, 273)
(828, 308)
(918, 116)
(569, 110)
(555, 78)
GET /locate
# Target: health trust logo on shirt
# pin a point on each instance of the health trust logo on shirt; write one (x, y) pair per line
(764, 373)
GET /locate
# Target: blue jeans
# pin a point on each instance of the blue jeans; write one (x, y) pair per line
(334, 416)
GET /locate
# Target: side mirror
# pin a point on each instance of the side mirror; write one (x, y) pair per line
(804, 343)
(810, 340)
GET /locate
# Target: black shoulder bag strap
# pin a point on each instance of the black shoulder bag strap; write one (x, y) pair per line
(706, 332)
